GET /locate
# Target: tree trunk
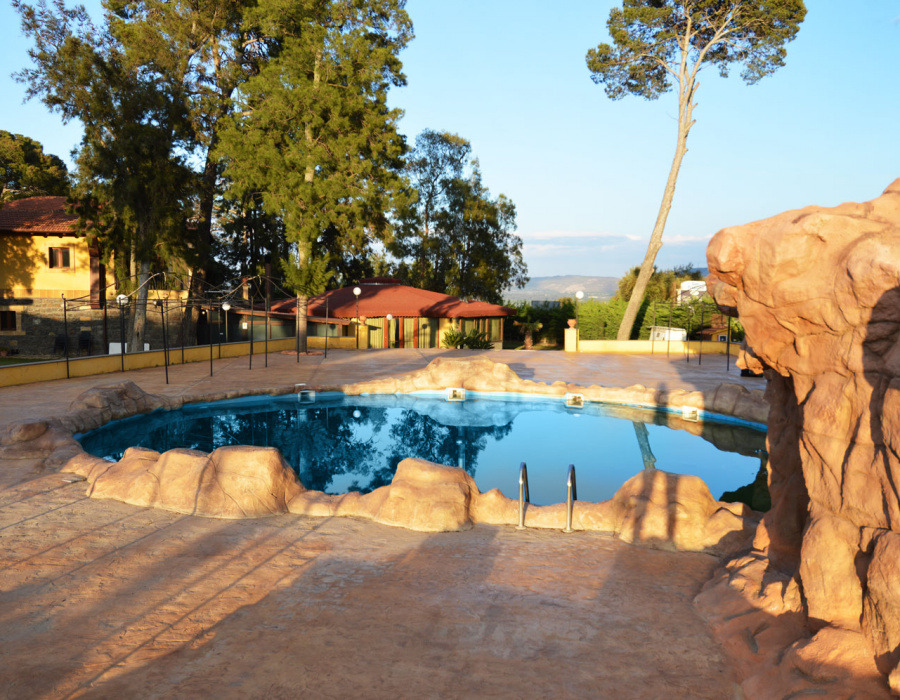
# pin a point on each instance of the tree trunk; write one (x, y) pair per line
(643, 438)
(302, 303)
(138, 328)
(685, 108)
(303, 246)
(191, 316)
(204, 241)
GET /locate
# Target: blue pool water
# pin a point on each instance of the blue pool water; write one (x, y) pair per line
(353, 443)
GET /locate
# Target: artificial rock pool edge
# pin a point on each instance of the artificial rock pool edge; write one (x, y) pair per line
(653, 508)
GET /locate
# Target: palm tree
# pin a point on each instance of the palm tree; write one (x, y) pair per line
(529, 327)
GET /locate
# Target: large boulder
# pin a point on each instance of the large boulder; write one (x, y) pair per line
(237, 481)
(677, 511)
(428, 497)
(818, 292)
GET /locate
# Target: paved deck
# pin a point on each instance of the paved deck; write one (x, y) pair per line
(345, 366)
(102, 599)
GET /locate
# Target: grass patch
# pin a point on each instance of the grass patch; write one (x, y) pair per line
(518, 345)
(19, 360)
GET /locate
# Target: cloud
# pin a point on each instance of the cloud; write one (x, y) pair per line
(678, 240)
(556, 249)
(562, 235)
(546, 248)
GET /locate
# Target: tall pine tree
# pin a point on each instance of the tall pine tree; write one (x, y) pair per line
(205, 50)
(453, 237)
(314, 135)
(658, 44)
(132, 184)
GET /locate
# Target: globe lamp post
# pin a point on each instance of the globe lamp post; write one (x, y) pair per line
(226, 307)
(122, 301)
(356, 292)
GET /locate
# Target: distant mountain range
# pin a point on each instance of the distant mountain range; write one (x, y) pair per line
(554, 288)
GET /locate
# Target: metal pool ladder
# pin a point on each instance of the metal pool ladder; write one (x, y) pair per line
(571, 497)
(524, 496)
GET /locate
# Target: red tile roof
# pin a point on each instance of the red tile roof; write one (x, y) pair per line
(37, 215)
(379, 299)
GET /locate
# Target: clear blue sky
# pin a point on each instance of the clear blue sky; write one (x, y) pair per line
(586, 173)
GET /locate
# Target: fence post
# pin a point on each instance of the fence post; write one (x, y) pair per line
(66, 330)
(728, 347)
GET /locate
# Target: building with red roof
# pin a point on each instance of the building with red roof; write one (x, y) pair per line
(41, 259)
(389, 314)
(40, 255)
(43, 216)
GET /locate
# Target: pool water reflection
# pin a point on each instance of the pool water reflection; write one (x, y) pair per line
(340, 444)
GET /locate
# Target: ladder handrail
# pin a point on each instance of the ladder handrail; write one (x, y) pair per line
(524, 495)
(571, 497)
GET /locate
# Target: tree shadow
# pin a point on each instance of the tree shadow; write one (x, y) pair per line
(123, 593)
(19, 260)
(877, 456)
(881, 370)
(483, 613)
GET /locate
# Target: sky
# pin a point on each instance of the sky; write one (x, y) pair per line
(586, 173)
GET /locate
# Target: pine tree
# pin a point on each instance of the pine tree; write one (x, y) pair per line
(313, 135)
(658, 43)
(205, 50)
(26, 171)
(453, 237)
(131, 185)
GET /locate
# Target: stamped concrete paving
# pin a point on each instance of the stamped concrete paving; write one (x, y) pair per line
(102, 599)
(344, 366)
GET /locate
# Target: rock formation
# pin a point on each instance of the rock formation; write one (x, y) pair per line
(483, 374)
(653, 508)
(236, 481)
(818, 292)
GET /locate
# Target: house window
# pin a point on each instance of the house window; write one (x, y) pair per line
(60, 258)
(7, 320)
(723, 338)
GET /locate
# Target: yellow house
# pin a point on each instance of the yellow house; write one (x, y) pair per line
(39, 255)
(40, 261)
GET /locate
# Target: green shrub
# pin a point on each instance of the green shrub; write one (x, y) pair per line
(552, 322)
(600, 320)
(473, 340)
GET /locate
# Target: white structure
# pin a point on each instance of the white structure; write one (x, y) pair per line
(691, 289)
(667, 333)
(116, 348)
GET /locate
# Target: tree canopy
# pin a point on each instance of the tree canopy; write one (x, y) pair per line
(663, 285)
(314, 135)
(453, 237)
(26, 171)
(660, 44)
(205, 51)
(132, 183)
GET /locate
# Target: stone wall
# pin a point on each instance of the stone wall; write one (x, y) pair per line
(40, 321)
(818, 292)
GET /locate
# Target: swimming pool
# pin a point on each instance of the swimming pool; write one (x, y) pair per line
(353, 443)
